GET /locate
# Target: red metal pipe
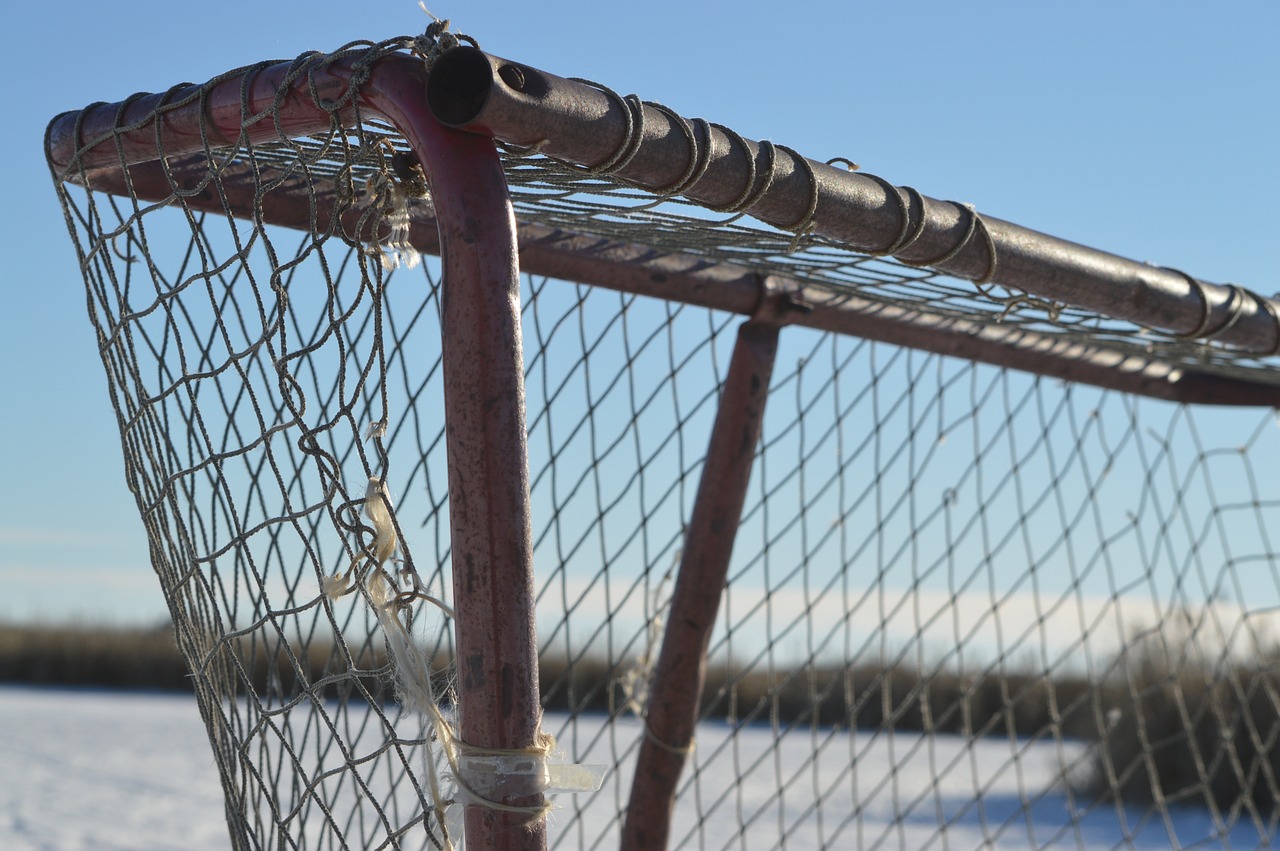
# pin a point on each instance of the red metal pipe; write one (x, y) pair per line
(680, 673)
(498, 696)
(492, 545)
(251, 105)
(493, 585)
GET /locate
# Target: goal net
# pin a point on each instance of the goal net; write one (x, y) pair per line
(997, 563)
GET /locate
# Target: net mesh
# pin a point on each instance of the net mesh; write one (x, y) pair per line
(967, 607)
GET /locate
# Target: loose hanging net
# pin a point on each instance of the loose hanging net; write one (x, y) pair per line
(968, 606)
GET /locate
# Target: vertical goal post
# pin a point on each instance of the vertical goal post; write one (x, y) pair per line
(255, 412)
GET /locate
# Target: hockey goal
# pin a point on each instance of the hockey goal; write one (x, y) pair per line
(453, 543)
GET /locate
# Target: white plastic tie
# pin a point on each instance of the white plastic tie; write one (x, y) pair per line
(493, 777)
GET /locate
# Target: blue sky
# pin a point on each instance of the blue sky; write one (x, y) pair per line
(1148, 129)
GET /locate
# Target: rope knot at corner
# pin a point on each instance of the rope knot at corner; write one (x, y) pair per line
(437, 41)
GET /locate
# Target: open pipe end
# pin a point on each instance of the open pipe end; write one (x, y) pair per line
(60, 142)
(466, 83)
(459, 86)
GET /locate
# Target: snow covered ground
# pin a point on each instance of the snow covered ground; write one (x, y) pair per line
(96, 770)
(106, 771)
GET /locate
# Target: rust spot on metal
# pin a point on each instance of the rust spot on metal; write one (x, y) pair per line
(474, 677)
(507, 690)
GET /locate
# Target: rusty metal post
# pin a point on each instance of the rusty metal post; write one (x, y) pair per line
(680, 673)
(493, 588)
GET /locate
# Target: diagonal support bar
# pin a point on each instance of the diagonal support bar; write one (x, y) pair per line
(680, 673)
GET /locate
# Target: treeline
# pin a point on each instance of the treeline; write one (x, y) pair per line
(1166, 723)
(866, 697)
(1191, 726)
(105, 657)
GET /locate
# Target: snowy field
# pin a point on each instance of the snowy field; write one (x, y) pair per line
(96, 770)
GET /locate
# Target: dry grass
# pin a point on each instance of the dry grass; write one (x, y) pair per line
(1192, 729)
(102, 656)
